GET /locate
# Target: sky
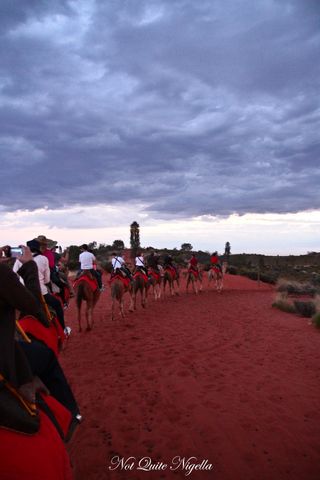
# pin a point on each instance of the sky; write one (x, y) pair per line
(200, 120)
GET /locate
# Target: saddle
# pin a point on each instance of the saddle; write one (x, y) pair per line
(172, 272)
(216, 269)
(118, 276)
(52, 336)
(86, 276)
(194, 271)
(152, 273)
(140, 273)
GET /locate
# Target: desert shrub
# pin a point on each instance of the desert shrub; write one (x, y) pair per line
(269, 277)
(316, 279)
(296, 288)
(305, 309)
(232, 270)
(284, 305)
(316, 320)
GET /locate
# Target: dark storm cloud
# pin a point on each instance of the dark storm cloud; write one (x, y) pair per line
(190, 108)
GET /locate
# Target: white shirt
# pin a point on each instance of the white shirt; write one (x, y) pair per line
(86, 260)
(43, 271)
(140, 261)
(117, 262)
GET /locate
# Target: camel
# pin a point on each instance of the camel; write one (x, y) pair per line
(216, 275)
(171, 277)
(140, 284)
(194, 278)
(155, 280)
(84, 292)
(118, 290)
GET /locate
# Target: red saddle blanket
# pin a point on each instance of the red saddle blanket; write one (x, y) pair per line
(172, 272)
(141, 274)
(154, 274)
(124, 280)
(90, 281)
(216, 269)
(195, 272)
(52, 336)
(66, 295)
(42, 455)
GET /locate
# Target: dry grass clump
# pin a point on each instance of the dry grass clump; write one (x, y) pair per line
(310, 308)
(316, 320)
(292, 287)
(281, 302)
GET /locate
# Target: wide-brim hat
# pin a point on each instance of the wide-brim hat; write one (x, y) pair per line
(51, 244)
(34, 245)
(42, 239)
(47, 242)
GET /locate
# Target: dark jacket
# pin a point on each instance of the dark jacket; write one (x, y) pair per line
(13, 295)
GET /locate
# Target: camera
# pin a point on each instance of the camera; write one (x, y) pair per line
(14, 252)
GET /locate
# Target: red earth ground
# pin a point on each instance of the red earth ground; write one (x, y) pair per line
(224, 378)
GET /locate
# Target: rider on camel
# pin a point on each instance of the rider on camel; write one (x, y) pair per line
(140, 264)
(119, 266)
(153, 262)
(61, 266)
(88, 262)
(47, 247)
(215, 261)
(168, 262)
(44, 279)
(193, 263)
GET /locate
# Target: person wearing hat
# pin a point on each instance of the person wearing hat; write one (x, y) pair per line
(215, 261)
(45, 248)
(30, 449)
(44, 278)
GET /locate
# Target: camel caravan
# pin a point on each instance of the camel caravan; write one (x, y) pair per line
(157, 277)
(131, 276)
(138, 277)
(38, 411)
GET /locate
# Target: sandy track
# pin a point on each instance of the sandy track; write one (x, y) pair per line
(221, 377)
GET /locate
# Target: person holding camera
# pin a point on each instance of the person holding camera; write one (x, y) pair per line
(44, 279)
(29, 449)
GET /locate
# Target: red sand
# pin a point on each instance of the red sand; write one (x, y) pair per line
(220, 377)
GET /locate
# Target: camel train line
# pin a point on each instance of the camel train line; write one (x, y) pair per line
(158, 279)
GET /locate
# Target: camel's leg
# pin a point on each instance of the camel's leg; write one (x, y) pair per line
(112, 309)
(134, 300)
(144, 297)
(121, 307)
(131, 306)
(79, 318)
(195, 286)
(89, 316)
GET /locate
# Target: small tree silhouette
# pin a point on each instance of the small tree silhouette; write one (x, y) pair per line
(134, 238)
(118, 245)
(227, 251)
(187, 247)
